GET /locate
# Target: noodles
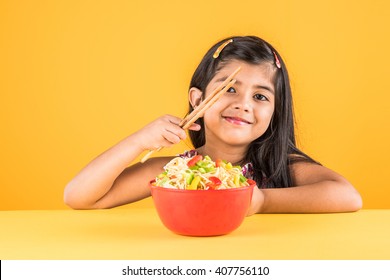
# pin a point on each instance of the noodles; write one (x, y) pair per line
(198, 173)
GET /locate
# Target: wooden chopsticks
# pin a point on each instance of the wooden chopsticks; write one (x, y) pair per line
(203, 106)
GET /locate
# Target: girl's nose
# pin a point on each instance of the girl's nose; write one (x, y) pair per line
(242, 103)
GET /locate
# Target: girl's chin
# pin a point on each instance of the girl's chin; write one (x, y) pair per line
(235, 136)
(235, 140)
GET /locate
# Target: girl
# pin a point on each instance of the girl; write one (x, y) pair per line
(251, 125)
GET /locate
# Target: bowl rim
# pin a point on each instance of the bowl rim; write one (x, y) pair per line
(206, 191)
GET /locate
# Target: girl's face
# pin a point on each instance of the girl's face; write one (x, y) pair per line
(245, 111)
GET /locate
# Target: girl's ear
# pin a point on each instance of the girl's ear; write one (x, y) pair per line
(195, 96)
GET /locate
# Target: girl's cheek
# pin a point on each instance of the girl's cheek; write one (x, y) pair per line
(216, 108)
(267, 110)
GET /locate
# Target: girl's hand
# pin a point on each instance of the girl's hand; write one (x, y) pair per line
(162, 132)
(256, 202)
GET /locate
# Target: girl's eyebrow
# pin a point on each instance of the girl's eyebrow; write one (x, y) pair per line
(265, 87)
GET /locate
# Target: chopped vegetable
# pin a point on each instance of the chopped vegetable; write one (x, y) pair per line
(201, 173)
(214, 183)
(194, 160)
(194, 184)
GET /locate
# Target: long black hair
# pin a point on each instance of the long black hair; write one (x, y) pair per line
(273, 152)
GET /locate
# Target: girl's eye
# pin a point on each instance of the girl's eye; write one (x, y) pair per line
(231, 90)
(260, 97)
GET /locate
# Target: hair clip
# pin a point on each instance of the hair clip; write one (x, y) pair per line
(277, 62)
(221, 47)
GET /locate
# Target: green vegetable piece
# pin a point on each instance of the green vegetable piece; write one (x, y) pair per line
(207, 158)
(189, 177)
(202, 170)
(209, 169)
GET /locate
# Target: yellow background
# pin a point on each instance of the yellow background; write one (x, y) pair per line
(78, 76)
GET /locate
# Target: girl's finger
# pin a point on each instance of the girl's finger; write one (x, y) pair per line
(173, 119)
(176, 130)
(172, 137)
(195, 127)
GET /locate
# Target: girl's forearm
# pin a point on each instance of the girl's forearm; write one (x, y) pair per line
(322, 197)
(96, 179)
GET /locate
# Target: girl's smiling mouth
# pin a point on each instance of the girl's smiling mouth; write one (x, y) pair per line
(236, 120)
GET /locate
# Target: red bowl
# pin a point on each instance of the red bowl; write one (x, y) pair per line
(202, 212)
